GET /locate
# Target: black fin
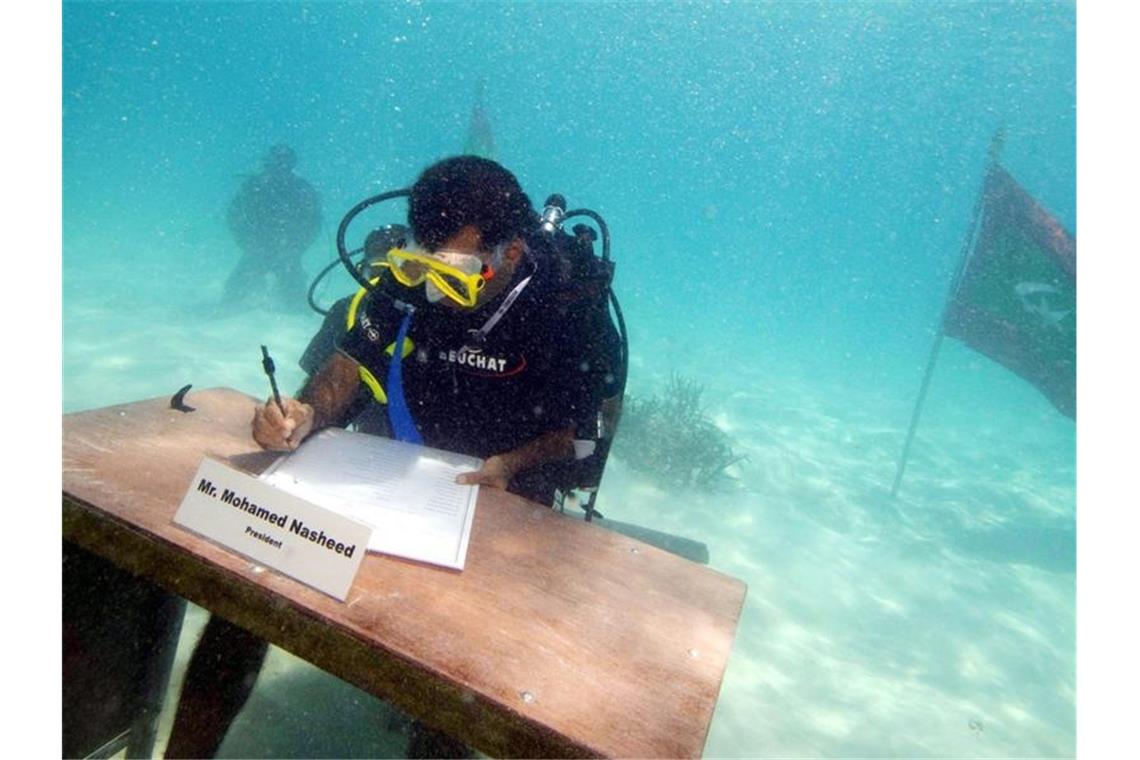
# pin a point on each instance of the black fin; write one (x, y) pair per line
(176, 400)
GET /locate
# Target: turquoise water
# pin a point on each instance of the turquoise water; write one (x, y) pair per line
(788, 186)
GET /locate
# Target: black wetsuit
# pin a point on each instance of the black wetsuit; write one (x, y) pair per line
(529, 376)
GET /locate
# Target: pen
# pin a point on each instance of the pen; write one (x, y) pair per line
(267, 365)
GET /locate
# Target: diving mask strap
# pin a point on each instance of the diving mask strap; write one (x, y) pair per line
(403, 426)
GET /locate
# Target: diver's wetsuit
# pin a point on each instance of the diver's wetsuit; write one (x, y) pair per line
(274, 218)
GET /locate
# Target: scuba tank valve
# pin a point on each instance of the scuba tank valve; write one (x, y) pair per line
(553, 213)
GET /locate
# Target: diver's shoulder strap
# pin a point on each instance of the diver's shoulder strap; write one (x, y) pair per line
(366, 375)
(354, 305)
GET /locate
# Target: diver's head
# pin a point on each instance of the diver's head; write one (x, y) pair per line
(471, 214)
(280, 158)
(468, 191)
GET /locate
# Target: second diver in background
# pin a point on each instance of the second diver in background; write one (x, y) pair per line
(274, 218)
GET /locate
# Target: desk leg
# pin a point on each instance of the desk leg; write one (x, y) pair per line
(164, 634)
(120, 633)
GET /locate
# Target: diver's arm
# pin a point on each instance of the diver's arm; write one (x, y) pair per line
(324, 398)
(330, 392)
(498, 470)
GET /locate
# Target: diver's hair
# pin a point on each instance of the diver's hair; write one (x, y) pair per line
(468, 190)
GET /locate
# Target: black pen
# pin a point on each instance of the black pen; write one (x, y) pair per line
(267, 365)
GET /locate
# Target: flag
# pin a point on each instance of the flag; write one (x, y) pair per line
(480, 141)
(1016, 300)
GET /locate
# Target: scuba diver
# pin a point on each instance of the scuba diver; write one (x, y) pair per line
(500, 360)
(274, 218)
(573, 283)
(477, 329)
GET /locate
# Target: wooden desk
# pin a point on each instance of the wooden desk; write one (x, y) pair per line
(558, 639)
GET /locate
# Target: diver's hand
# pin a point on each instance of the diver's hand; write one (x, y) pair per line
(496, 472)
(282, 432)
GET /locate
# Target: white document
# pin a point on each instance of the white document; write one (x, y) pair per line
(406, 493)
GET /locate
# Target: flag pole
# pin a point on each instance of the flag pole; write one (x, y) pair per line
(967, 246)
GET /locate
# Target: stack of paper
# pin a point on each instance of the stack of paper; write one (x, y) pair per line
(406, 493)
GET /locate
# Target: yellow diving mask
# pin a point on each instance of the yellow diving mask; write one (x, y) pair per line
(458, 276)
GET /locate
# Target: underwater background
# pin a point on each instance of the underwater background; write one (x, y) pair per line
(788, 187)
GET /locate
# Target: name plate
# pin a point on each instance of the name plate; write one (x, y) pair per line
(320, 548)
